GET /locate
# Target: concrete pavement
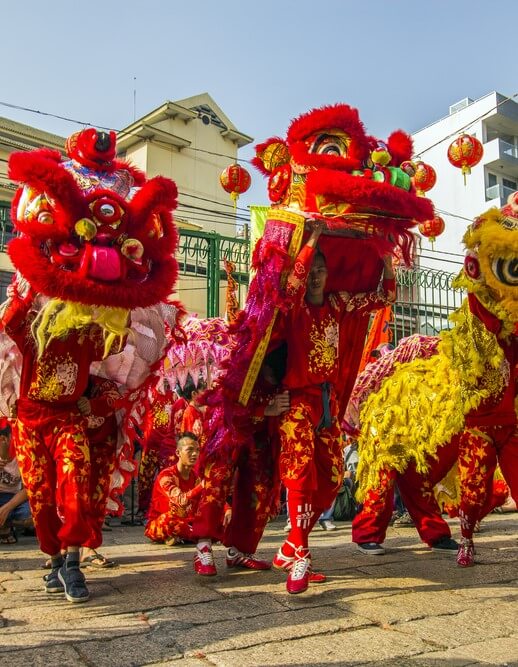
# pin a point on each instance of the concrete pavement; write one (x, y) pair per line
(411, 607)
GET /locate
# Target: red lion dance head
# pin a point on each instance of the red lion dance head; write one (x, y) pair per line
(92, 229)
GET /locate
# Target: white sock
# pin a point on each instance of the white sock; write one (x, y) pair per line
(204, 543)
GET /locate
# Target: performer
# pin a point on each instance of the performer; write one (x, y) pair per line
(96, 243)
(51, 441)
(175, 495)
(311, 462)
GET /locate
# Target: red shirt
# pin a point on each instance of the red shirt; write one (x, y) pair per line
(313, 331)
(60, 375)
(171, 492)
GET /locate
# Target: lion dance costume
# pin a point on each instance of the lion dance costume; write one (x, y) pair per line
(328, 168)
(95, 241)
(458, 390)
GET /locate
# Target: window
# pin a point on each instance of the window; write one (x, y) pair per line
(491, 180)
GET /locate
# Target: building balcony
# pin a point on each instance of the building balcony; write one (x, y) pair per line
(498, 194)
(501, 156)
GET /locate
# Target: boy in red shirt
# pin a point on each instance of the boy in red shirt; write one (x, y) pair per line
(175, 495)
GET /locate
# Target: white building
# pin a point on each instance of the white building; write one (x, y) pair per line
(493, 119)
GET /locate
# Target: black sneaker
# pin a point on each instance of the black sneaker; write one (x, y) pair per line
(372, 548)
(446, 544)
(52, 582)
(74, 584)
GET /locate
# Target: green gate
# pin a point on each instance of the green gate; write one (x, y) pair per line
(201, 257)
(424, 302)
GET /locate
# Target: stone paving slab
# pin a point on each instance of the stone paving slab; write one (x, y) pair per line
(411, 607)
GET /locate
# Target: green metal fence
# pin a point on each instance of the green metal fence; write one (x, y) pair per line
(425, 296)
(6, 226)
(425, 300)
(202, 255)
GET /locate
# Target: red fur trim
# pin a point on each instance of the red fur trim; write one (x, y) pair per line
(42, 171)
(54, 282)
(400, 146)
(364, 194)
(158, 195)
(339, 116)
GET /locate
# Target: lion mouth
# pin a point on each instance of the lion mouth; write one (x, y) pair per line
(105, 264)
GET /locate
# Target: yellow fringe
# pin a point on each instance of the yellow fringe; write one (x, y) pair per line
(423, 404)
(57, 318)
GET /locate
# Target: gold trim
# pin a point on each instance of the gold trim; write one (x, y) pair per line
(297, 221)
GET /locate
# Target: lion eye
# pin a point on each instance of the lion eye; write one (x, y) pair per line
(329, 144)
(506, 270)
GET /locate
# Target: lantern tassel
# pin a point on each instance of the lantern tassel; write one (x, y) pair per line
(234, 196)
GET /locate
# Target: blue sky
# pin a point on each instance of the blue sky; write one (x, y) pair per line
(263, 61)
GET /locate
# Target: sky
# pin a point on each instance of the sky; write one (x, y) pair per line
(264, 62)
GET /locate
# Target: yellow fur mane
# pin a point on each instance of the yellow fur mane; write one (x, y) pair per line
(57, 318)
(423, 404)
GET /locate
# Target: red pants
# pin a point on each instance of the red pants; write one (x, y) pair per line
(310, 464)
(54, 462)
(249, 478)
(479, 452)
(371, 523)
(253, 496)
(102, 465)
(167, 525)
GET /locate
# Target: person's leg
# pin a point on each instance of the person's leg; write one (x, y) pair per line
(251, 505)
(369, 526)
(38, 471)
(166, 526)
(71, 452)
(297, 472)
(508, 461)
(102, 465)
(417, 493)
(329, 467)
(477, 463)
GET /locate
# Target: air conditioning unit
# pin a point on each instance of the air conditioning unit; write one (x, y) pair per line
(461, 105)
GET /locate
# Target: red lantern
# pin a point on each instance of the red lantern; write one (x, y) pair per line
(432, 228)
(235, 180)
(465, 152)
(424, 178)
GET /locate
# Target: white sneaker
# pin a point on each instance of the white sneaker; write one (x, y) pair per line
(327, 525)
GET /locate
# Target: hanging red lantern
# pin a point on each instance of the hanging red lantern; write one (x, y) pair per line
(432, 228)
(235, 180)
(465, 152)
(424, 178)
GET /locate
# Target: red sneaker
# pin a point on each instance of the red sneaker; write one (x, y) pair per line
(466, 553)
(249, 561)
(317, 578)
(282, 562)
(204, 562)
(300, 572)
